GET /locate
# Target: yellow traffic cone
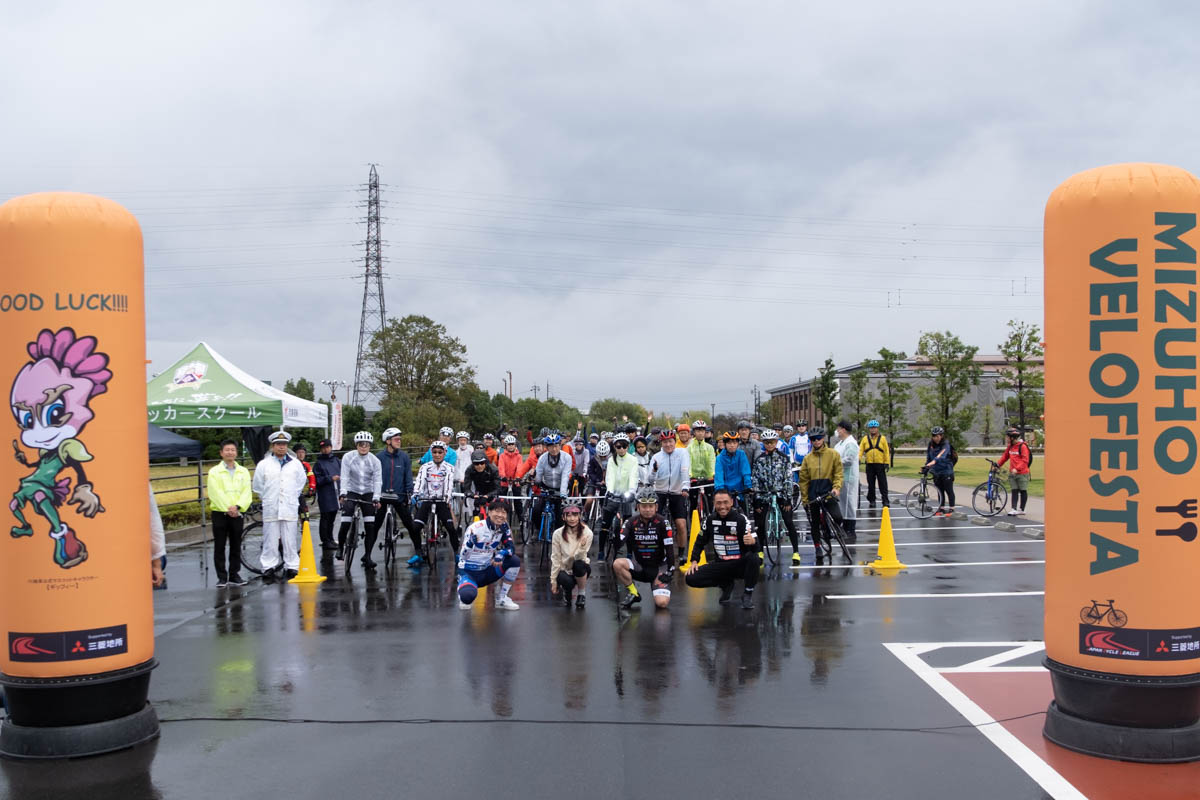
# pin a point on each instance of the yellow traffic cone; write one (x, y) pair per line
(308, 564)
(691, 542)
(885, 558)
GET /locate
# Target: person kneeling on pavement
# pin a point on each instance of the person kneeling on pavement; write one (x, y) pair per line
(486, 557)
(734, 553)
(647, 538)
(569, 565)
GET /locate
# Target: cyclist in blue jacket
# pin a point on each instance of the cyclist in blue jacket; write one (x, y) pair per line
(397, 480)
(732, 469)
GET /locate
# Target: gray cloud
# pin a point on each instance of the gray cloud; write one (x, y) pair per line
(668, 204)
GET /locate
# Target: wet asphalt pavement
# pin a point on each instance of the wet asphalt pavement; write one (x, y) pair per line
(419, 698)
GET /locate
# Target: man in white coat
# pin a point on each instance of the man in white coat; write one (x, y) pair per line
(847, 448)
(278, 480)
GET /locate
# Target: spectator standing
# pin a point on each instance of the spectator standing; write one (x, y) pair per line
(228, 498)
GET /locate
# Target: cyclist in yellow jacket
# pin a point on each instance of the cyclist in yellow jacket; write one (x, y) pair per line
(820, 480)
(873, 451)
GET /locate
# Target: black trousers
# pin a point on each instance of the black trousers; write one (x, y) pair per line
(325, 527)
(227, 529)
(400, 509)
(820, 527)
(877, 474)
(945, 487)
(567, 581)
(724, 573)
(785, 511)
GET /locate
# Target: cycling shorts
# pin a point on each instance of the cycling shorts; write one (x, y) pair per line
(672, 506)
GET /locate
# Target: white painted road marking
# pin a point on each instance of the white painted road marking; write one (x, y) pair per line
(900, 595)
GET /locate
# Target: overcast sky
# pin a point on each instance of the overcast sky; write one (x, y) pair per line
(665, 202)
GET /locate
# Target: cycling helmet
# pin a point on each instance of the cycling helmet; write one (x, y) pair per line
(543, 432)
(1013, 431)
(683, 426)
(389, 433)
(729, 436)
(463, 435)
(438, 444)
(594, 435)
(552, 438)
(641, 439)
(510, 439)
(478, 457)
(446, 431)
(363, 436)
(667, 434)
(630, 427)
(487, 436)
(873, 423)
(647, 496)
(803, 423)
(788, 429)
(699, 425)
(744, 424)
(770, 436)
(603, 450)
(606, 435)
(620, 437)
(937, 430)
(816, 433)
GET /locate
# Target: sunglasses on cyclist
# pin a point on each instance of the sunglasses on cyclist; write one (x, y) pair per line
(621, 446)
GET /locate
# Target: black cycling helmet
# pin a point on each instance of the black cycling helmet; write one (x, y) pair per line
(1013, 431)
(478, 457)
(647, 496)
(744, 424)
(816, 433)
(937, 430)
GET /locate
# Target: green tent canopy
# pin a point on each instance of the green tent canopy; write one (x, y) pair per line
(205, 390)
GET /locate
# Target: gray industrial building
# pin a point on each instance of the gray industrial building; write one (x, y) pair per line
(798, 404)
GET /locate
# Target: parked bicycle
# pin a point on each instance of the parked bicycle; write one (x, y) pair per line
(389, 531)
(917, 501)
(773, 529)
(358, 530)
(252, 533)
(990, 497)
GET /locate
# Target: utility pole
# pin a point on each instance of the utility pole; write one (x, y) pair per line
(547, 389)
(505, 386)
(509, 384)
(712, 407)
(756, 396)
(373, 309)
(535, 389)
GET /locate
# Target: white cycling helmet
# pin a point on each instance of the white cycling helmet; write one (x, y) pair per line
(389, 433)
(446, 431)
(606, 435)
(363, 436)
(437, 444)
(620, 437)
(510, 439)
(603, 450)
(770, 436)
(463, 435)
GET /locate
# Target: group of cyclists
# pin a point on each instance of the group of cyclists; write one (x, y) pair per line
(645, 482)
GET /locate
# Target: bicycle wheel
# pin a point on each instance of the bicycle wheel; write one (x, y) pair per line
(917, 502)
(252, 547)
(352, 543)
(389, 541)
(1090, 615)
(772, 537)
(988, 503)
(1117, 618)
(837, 531)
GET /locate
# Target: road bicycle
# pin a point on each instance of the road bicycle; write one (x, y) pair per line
(252, 533)
(357, 531)
(773, 529)
(431, 535)
(390, 529)
(990, 497)
(527, 517)
(1095, 613)
(545, 533)
(917, 501)
(825, 522)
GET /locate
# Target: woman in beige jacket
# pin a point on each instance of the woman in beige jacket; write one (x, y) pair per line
(569, 566)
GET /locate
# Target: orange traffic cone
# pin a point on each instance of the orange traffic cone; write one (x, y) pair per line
(308, 564)
(885, 558)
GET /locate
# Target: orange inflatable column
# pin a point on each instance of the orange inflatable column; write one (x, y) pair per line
(76, 610)
(1122, 622)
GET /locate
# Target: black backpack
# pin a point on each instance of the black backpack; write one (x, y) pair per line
(1029, 450)
(953, 455)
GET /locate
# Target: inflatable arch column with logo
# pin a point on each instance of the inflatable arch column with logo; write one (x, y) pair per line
(75, 612)
(1122, 623)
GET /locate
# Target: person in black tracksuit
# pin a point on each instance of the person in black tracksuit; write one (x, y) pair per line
(734, 553)
(327, 470)
(481, 482)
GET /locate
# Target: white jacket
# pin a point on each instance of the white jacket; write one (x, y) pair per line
(848, 499)
(463, 461)
(361, 474)
(279, 487)
(435, 481)
(671, 473)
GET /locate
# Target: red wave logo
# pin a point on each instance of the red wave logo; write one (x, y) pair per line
(24, 646)
(1106, 640)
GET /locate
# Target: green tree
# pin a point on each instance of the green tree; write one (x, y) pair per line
(858, 399)
(603, 413)
(825, 393)
(892, 401)
(952, 371)
(300, 387)
(1023, 375)
(354, 419)
(415, 359)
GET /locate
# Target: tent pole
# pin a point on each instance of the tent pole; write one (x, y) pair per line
(203, 519)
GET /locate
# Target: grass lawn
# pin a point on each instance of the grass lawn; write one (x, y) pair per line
(971, 471)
